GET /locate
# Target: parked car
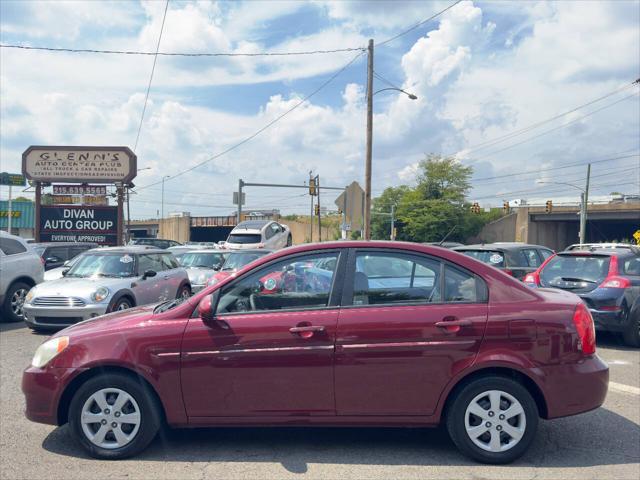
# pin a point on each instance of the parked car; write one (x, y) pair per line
(514, 258)
(259, 234)
(236, 261)
(20, 269)
(403, 334)
(154, 242)
(599, 246)
(54, 254)
(201, 265)
(58, 272)
(607, 280)
(179, 251)
(103, 281)
(445, 244)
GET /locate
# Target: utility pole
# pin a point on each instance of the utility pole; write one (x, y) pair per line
(319, 216)
(583, 207)
(240, 185)
(311, 181)
(369, 145)
(393, 223)
(10, 212)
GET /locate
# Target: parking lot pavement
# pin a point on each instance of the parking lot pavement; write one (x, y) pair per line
(601, 444)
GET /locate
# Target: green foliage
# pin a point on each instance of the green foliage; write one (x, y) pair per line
(22, 199)
(433, 208)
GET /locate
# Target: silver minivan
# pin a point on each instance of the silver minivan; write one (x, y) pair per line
(105, 280)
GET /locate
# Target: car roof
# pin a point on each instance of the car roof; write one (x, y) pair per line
(250, 224)
(499, 246)
(60, 244)
(607, 252)
(208, 250)
(133, 249)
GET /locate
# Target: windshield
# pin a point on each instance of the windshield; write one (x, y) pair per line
(490, 257)
(101, 265)
(244, 238)
(574, 271)
(236, 261)
(202, 260)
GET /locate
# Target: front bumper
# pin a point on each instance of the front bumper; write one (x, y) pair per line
(54, 317)
(42, 388)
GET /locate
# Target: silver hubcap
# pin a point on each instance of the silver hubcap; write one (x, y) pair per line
(185, 294)
(110, 418)
(495, 421)
(123, 306)
(17, 301)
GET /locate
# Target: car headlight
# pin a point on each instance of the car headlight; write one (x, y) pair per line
(29, 296)
(212, 281)
(100, 294)
(201, 279)
(49, 350)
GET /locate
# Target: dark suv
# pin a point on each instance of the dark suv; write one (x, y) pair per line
(54, 254)
(608, 281)
(516, 259)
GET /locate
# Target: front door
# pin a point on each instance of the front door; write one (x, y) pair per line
(270, 350)
(414, 321)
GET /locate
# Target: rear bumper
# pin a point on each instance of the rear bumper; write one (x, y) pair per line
(576, 388)
(42, 388)
(607, 320)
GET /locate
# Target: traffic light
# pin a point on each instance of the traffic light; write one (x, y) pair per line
(506, 208)
(317, 209)
(312, 186)
(548, 206)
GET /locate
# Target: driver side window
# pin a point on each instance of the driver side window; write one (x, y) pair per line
(293, 284)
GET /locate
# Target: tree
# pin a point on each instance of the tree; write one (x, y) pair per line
(433, 208)
(22, 199)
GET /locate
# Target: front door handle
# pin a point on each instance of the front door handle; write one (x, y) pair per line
(308, 328)
(453, 325)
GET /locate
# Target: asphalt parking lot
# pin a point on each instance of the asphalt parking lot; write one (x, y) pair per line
(602, 444)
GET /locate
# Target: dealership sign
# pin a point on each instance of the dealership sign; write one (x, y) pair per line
(79, 164)
(79, 224)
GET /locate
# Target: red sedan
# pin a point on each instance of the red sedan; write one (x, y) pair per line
(401, 335)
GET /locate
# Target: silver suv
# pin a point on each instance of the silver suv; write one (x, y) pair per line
(105, 280)
(20, 269)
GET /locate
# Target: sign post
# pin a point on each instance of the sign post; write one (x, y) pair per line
(80, 165)
(12, 180)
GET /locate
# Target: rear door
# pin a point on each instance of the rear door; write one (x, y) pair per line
(408, 323)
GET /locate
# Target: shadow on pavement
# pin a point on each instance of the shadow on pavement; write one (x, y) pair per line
(596, 438)
(7, 327)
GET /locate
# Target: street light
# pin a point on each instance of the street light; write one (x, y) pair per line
(129, 187)
(369, 143)
(163, 179)
(584, 197)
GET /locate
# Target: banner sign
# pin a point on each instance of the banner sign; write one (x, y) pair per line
(76, 200)
(79, 190)
(14, 213)
(12, 179)
(79, 164)
(79, 224)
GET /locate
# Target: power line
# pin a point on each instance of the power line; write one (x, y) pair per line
(418, 25)
(153, 69)
(384, 80)
(265, 127)
(182, 54)
(515, 133)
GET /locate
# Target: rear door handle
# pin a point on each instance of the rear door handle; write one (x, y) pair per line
(309, 328)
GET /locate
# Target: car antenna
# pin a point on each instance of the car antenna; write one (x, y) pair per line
(447, 235)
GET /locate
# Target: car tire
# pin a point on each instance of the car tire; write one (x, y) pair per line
(13, 302)
(479, 429)
(120, 395)
(631, 334)
(122, 303)
(184, 292)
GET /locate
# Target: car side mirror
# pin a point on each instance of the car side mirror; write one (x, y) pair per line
(65, 271)
(148, 274)
(66, 264)
(207, 309)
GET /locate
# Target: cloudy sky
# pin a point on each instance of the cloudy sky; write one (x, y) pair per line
(482, 71)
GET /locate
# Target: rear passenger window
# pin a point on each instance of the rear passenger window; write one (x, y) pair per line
(385, 278)
(11, 247)
(632, 266)
(531, 257)
(461, 286)
(545, 253)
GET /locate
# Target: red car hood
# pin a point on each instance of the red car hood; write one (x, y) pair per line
(109, 321)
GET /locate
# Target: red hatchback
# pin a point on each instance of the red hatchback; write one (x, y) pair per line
(360, 334)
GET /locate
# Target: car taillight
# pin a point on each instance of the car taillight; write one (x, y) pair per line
(532, 279)
(615, 282)
(42, 261)
(586, 331)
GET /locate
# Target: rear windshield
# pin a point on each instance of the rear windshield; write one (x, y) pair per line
(236, 261)
(564, 270)
(244, 238)
(39, 250)
(203, 260)
(490, 257)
